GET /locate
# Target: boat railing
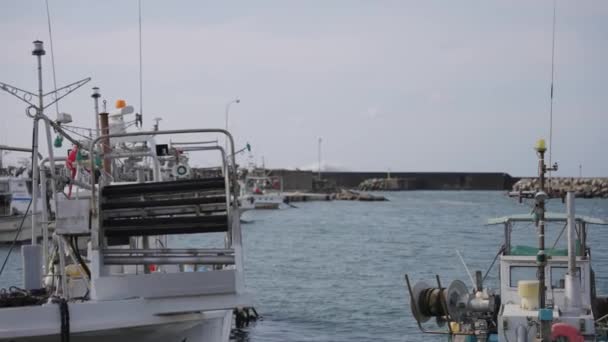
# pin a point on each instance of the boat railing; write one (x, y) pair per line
(148, 210)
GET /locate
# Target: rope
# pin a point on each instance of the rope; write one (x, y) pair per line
(558, 237)
(48, 16)
(500, 250)
(64, 311)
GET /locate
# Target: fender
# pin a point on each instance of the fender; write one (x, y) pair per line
(561, 330)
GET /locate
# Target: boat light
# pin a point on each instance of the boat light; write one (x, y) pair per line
(38, 48)
(121, 104)
(96, 93)
(540, 146)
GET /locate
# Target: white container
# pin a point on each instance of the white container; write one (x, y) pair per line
(528, 292)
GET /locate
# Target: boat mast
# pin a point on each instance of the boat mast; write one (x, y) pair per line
(541, 258)
(38, 52)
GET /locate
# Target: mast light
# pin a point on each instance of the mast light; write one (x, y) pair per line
(540, 146)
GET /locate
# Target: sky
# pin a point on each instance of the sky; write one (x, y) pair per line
(388, 85)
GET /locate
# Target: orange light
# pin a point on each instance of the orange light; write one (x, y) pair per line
(121, 104)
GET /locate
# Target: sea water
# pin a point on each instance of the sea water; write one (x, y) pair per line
(334, 271)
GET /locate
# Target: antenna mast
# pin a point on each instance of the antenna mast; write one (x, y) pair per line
(552, 79)
(141, 102)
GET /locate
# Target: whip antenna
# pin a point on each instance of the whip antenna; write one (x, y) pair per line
(552, 80)
(48, 17)
(141, 102)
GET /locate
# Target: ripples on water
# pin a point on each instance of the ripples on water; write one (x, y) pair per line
(333, 271)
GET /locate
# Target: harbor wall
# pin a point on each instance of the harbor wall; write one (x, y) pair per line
(306, 180)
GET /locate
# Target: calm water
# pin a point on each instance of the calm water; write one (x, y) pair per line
(333, 271)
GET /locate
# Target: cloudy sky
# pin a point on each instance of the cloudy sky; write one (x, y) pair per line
(400, 85)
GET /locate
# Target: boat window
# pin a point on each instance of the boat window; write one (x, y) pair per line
(518, 273)
(4, 187)
(558, 276)
(5, 205)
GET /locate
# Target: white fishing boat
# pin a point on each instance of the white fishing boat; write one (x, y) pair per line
(546, 294)
(15, 217)
(15, 198)
(134, 281)
(261, 191)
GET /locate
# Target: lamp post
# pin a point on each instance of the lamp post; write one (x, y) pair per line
(320, 141)
(96, 95)
(236, 100)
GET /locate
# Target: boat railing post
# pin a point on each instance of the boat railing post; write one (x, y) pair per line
(45, 221)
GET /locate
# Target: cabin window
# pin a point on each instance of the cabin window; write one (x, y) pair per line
(4, 187)
(518, 273)
(558, 276)
(5, 205)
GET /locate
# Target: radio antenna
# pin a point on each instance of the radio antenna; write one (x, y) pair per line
(552, 80)
(141, 102)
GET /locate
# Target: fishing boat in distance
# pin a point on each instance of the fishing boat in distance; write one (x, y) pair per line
(113, 267)
(15, 201)
(546, 294)
(260, 191)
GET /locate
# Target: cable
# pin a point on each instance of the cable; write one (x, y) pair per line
(48, 16)
(64, 311)
(500, 250)
(74, 245)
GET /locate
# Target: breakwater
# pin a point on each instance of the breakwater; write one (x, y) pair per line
(558, 186)
(301, 180)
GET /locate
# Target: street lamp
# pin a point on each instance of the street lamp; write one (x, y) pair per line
(236, 100)
(320, 141)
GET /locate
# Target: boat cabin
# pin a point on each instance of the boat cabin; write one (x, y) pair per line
(518, 264)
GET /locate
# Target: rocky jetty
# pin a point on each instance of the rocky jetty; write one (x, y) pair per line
(350, 195)
(558, 186)
(388, 184)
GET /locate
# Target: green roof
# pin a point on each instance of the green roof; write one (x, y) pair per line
(549, 217)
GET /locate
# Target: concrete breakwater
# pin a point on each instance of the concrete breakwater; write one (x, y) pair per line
(342, 195)
(558, 186)
(388, 184)
(308, 181)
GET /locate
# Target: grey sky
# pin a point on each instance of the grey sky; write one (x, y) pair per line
(405, 85)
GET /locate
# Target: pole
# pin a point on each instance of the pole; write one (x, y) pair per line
(541, 258)
(319, 154)
(38, 52)
(571, 232)
(105, 131)
(226, 118)
(96, 95)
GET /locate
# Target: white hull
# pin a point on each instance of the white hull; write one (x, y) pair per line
(201, 319)
(255, 201)
(197, 330)
(9, 225)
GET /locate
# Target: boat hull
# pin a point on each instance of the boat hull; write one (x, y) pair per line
(9, 225)
(203, 330)
(199, 318)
